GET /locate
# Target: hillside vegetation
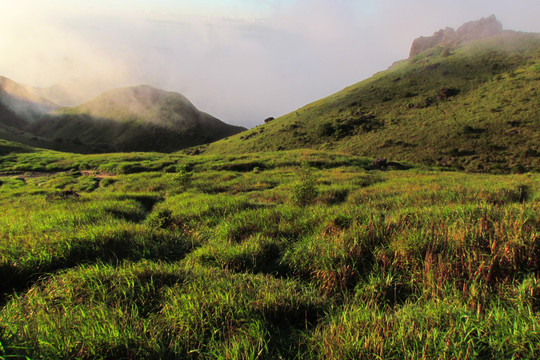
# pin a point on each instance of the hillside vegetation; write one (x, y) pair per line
(291, 254)
(135, 119)
(475, 106)
(139, 118)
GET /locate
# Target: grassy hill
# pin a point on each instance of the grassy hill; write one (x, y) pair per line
(134, 119)
(475, 106)
(292, 254)
(139, 118)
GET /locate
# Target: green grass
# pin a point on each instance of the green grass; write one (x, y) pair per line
(115, 256)
(155, 310)
(476, 110)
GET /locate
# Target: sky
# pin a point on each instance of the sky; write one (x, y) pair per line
(239, 60)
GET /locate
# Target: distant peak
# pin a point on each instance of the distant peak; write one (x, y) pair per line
(473, 30)
(143, 94)
(138, 89)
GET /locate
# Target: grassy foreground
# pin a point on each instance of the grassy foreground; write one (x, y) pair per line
(149, 256)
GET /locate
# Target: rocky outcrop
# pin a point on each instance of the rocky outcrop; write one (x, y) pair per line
(474, 30)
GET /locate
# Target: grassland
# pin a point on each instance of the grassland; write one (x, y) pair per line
(294, 254)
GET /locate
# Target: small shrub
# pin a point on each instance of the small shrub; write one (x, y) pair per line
(184, 177)
(530, 152)
(304, 190)
(446, 93)
(379, 163)
(326, 129)
(468, 130)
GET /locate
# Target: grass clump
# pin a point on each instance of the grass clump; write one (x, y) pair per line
(154, 310)
(304, 190)
(184, 177)
(445, 330)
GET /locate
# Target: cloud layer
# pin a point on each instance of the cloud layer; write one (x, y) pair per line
(237, 68)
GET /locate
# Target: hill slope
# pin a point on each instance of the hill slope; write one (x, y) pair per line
(471, 104)
(139, 118)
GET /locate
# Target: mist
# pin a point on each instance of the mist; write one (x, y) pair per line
(239, 63)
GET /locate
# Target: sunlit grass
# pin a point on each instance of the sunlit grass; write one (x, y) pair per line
(380, 264)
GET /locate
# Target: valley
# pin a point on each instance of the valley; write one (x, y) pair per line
(396, 219)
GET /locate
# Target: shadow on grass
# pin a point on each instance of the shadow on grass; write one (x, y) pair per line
(113, 249)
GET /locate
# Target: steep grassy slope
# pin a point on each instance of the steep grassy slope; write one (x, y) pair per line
(154, 256)
(474, 107)
(134, 119)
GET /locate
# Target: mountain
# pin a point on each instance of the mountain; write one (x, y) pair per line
(139, 118)
(466, 99)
